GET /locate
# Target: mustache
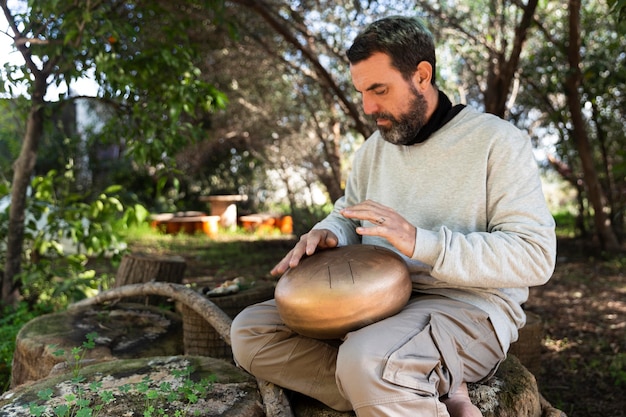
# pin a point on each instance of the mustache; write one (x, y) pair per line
(387, 116)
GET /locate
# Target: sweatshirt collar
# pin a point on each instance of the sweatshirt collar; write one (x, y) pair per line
(442, 115)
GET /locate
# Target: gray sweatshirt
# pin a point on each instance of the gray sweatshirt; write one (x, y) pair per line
(472, 190)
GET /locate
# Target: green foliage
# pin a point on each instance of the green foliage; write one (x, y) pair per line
(63, 229)
(565, 223)
(77, 403)
(618, 8)
(152, 83)
(149, 71)
(541, 101)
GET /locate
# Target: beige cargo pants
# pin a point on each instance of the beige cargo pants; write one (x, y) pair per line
(398, 367)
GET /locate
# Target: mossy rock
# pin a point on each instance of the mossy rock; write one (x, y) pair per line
(512, 392)
(133, 385)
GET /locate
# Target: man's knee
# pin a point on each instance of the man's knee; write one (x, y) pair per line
(240, 337)
(255, 329)
(358, 364)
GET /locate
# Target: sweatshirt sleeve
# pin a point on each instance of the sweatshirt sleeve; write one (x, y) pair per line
(342, 227)
(518, 249)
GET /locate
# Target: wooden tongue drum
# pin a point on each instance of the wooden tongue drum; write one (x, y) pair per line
(342, 289)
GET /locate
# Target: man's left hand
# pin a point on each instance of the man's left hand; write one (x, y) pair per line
(386, 222)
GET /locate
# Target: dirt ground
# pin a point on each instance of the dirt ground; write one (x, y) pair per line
(583, 309)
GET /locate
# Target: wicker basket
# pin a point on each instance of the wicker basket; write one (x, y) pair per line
(199, 336)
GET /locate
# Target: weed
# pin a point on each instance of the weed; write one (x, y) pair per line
(617, 369)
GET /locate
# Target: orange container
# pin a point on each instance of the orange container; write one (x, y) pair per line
(285, 225)
(210, 225)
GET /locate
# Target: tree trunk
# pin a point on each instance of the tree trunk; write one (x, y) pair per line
(503, 70)
(602, 220)
(138, 268)
(22, 172)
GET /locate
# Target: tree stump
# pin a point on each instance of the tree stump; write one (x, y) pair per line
(512, 392)
(139, 268)
(124, 331)
(133, 385)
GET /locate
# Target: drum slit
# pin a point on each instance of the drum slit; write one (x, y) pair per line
(330, 278)
(351, 273)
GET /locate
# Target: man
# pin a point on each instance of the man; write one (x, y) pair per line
(458, 194)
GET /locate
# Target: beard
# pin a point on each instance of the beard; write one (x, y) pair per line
(404, 128)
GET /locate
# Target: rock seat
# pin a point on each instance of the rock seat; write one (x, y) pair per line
(127, 387)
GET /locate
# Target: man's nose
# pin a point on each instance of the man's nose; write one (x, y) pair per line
(369, 105)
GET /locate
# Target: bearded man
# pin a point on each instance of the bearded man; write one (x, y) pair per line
(455, 192)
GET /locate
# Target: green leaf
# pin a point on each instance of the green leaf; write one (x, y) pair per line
(45, 394)
(61, 410)
(84, 412)
(36, 410)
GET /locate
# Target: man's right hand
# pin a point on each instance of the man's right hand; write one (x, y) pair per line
(307, 245)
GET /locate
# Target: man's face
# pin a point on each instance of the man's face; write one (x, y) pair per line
(399, 108)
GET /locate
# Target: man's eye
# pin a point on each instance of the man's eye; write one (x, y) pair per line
(380, 92)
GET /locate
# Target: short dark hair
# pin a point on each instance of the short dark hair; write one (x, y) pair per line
(405, 39)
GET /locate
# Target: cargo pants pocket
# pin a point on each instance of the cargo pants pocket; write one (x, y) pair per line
(425, 363)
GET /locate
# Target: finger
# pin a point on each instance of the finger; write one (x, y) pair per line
(298, 252)
(330, 240)
(377, 218)
(307, 245)
(380, 220)
(281, 266)
(368, 210)
(291, 260)
(311, 245)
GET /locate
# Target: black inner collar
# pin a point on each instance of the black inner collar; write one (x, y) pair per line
(442, 115)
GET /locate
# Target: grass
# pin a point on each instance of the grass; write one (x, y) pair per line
(565, 223)
(231, 255)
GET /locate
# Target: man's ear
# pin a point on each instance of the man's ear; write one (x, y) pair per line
(423, 75)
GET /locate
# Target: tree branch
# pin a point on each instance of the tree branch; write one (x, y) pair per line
(273, 19)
